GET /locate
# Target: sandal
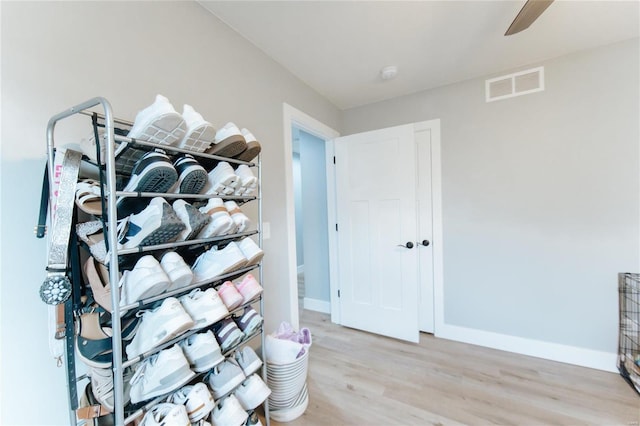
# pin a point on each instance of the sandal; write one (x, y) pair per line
(93, 336)
(93, 340)
(89, 197)
(98, 277)
(91, 234)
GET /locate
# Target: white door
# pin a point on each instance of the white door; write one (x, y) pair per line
(377, 217)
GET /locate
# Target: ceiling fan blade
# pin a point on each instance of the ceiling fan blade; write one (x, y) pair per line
(531, 10)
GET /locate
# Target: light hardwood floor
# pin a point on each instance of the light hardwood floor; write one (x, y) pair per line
(357, 378)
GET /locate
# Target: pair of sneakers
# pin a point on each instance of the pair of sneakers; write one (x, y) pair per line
(236, 295)
(150, 278)
(225, 218)
(158, 223)
(173, 317)
(161, 373)
(215, 262)
(228, 377)
(231, 332)
(154, 172)
(224, 180)
(233, 142)
(160, 123)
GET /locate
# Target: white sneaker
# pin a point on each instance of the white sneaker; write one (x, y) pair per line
(177, 270)
(216, 262)
(251, 251)
(228, 131)
(102, 386)
(146, 279)
(159, 123)
(205, 307)
(220, 222)
(242, 222)
(248, 360)
(158, 326)
(197, 400)
(253, 420)
(222, 180)
(224, 377)
(156, 224)
(193, 219)
(161, 373)
(252, 392)
(229, 412)
(200, 133)
(166, 414)
(202, 351)
(253, 147)
(247, 181)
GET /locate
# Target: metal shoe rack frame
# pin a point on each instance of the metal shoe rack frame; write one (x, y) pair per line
(108, 184)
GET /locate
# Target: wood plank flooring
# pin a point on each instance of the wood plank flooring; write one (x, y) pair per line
(357, 378)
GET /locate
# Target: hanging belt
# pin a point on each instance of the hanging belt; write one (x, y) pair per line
(56, 287)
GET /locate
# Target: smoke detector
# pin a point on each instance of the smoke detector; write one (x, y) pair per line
(387, 73)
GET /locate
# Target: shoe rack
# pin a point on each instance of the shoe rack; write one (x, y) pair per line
(114, 131)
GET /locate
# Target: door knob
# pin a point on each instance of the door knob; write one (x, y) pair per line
(409, 245)
(425, 243)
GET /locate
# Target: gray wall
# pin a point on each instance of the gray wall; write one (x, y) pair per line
(314, 211)
(57, 54)
(540, 196)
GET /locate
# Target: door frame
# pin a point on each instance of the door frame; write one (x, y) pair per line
(436, 211)
(294, 117)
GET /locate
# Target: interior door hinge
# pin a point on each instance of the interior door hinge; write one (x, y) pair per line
(338, 293)
(334, 159)
(336, 227)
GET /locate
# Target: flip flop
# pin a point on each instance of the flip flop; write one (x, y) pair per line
(88, 197)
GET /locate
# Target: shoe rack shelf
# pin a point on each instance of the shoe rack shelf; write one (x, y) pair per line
(114, 131)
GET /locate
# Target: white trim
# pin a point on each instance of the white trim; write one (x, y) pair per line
(290, 117)
(551, 351)
(332, 220)
(317, 305)
(436, 209)
(436, 212)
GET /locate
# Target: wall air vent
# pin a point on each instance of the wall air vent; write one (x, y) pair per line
(516, 84)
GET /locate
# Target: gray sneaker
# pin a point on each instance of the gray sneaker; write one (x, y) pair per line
(224, 378)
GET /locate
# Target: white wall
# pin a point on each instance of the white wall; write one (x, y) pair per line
(57, 54)
(314, 210)
(297, 195)
(540, 196)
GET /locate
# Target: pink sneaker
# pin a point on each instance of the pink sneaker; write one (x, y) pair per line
(249, 288)
(230, 295)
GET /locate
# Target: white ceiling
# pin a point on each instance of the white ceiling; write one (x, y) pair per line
(339, 47)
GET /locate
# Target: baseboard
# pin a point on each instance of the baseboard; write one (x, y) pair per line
(300, 269)
(317, 305)
(551, 351)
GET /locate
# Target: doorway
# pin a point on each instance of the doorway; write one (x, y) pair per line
(296, 119)
(312, 244)
(430, 253)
